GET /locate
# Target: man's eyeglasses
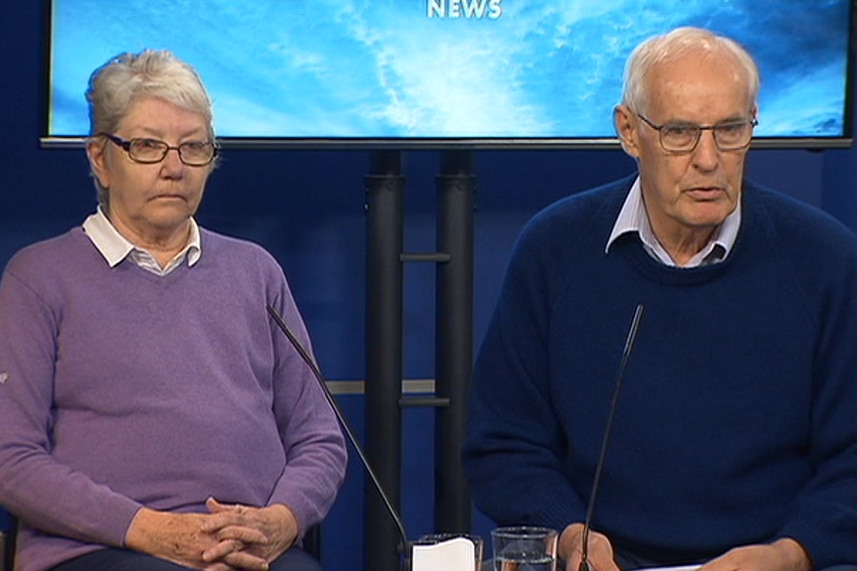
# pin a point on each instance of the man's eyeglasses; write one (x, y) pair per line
(150, 151)
(683, 138)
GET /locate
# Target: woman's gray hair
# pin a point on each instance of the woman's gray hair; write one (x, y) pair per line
(675, 44)
(115, 86)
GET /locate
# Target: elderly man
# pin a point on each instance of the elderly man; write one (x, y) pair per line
(735, 443)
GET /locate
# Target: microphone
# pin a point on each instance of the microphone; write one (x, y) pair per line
(587, 523)
(342, 421)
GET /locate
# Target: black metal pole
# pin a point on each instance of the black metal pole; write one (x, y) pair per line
(456, 186)
(384, 242)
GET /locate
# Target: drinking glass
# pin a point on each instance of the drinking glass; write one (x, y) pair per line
(524, 548)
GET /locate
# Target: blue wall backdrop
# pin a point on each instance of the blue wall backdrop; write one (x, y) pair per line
(307, 209)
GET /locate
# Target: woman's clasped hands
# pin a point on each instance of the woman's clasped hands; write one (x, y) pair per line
(228, 538)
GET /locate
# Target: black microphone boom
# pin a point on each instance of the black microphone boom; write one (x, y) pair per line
(587, 523)
(342, 421)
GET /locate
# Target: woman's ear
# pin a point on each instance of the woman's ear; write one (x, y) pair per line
(95, 152)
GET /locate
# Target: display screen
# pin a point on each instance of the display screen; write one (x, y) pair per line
(438, 73)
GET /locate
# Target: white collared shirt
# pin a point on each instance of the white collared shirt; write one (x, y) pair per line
(633, 218)
(115, 247)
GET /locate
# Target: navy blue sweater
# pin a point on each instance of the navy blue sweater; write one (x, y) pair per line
(737, 421)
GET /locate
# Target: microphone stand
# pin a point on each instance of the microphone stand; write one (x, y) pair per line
(403, 547)
(587, 524)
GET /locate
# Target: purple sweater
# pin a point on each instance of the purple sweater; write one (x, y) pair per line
(121, 389)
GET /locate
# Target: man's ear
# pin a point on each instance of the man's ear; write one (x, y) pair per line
(626, 129)
(95, 152)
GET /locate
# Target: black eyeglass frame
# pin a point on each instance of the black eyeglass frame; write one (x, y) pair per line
(126, 146)
(752, 123)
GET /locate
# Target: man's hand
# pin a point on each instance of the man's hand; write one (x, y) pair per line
(599, 556)
(782, 555)
(248, 537)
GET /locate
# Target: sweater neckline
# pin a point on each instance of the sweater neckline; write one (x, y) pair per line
(631, 248)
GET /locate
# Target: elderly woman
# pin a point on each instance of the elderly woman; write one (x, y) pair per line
(151, 414)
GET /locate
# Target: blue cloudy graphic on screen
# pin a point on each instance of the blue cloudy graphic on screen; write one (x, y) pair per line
(441, 68)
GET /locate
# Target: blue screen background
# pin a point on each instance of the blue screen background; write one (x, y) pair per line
(384, 68)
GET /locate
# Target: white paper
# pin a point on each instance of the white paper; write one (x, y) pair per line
(673, 568)
(456, 554)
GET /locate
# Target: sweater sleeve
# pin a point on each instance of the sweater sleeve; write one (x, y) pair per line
(515, 447)
(47, 494)
(823, 518)
(313, 442)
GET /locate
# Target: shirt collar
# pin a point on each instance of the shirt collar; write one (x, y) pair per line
(633, 218)
(114, 247)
